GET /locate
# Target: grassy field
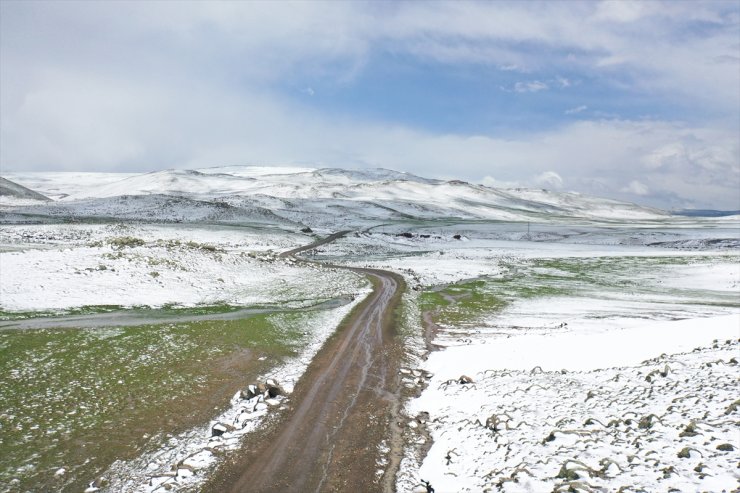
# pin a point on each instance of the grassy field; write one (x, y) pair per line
(472, 301)
(463, 302)
(81, 398)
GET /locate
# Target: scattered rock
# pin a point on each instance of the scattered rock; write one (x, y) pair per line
(494, 421)
(684, 453)
(689, 430)
(266, 392)
(733, 407)
(101, 482)
(273, 389)
(647, 422)
(272, 402)
(725, 447)
(306, 230)
(249, 392)
(219, 429)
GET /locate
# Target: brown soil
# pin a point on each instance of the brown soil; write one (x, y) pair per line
(124, 438)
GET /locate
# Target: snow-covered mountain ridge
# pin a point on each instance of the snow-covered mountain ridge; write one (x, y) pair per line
(315, 197)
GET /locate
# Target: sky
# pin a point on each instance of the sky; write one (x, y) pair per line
(634, 101)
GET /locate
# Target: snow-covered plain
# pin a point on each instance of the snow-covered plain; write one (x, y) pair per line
(584, 372)
(662, 424)
(52, 267)
(553, 371)
(619, 303)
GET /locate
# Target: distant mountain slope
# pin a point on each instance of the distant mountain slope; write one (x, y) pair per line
(706, 213)
(332, 197)
(10, 189)
(170, 182)
(154, 207)
(60, 184)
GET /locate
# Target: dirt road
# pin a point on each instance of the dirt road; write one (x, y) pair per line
(341, 408)
(315, 244)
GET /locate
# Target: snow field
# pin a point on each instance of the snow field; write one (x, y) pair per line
(444, 260)
(158, 266)
(654, 426)
(533, 364)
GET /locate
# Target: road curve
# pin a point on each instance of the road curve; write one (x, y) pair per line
(340, 409)
(315, 244)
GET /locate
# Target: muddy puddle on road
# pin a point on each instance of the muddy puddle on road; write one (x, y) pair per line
(81, 398)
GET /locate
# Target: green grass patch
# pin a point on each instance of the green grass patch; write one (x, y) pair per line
(82, 310)
(166, 310)
(125, 242)
(79, 398)
(461, 303)
(603, 277)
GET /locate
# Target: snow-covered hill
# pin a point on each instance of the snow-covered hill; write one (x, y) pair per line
(59, 184)
(314, 197)
(12, 193)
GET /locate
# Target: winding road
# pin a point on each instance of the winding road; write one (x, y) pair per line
(340, 410)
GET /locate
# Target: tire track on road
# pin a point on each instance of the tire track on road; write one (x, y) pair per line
(341, 408)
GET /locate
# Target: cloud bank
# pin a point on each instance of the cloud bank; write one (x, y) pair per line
(637, 101)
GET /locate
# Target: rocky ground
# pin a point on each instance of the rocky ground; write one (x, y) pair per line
(669, 424)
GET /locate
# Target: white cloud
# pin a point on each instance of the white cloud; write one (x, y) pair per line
(577, 109)
(115, 126)
(636, 188)
(621, 11)
(530, 86)
(492, 182)
(549, 179)
(538, 85)
(163, 84)
(108, 125)
(636, 38)
(511, 68)
(563, 82)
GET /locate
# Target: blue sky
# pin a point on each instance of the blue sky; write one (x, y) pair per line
(638, 101)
